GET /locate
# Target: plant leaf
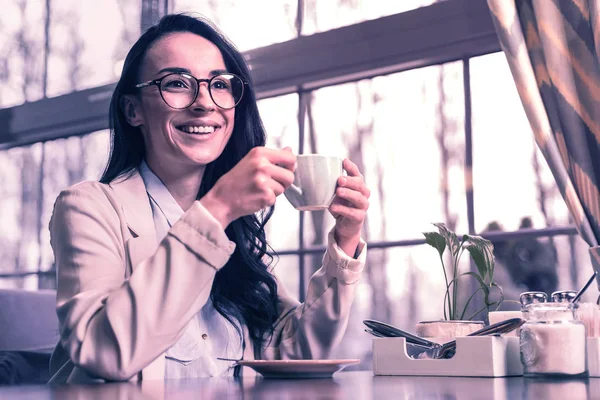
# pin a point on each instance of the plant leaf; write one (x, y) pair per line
(436, 240)
(478, 255)
(449, 236)
(482, 252)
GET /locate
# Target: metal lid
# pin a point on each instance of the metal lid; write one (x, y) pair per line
(532, 297)
(563, 296)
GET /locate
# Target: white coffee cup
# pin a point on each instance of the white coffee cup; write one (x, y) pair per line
(315, 181)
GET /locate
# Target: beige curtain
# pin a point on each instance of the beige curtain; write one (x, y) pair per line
(552, 48)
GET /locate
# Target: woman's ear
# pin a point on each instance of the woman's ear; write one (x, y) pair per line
(131, 109)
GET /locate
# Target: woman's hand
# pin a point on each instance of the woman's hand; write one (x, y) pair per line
(349, 208)
(252, 185)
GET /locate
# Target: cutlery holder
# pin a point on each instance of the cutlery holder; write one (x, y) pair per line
(482, 356)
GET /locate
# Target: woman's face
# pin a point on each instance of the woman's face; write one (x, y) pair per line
(177, 140)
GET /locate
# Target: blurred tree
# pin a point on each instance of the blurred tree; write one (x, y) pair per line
(130, 32)
(71, 157)
(544, 194)
(41, 168)
(28, 51)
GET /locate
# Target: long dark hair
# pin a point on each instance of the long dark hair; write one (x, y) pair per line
(244, 290)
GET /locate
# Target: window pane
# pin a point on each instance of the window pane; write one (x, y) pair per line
(406, 133)
(21, 51)
(286, 270)
(280, 118)
(249, 24)
(67, 162)
(321, 16)
(89, 41)
(31, 178)
(511, 178)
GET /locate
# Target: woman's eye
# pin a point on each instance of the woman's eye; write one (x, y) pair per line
(219, 84)
(176, 84)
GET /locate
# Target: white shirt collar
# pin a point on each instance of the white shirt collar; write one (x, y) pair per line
(160, 195)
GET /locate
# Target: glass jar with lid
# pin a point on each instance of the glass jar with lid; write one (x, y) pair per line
(563, 296)
(553, 341)
(527, 298)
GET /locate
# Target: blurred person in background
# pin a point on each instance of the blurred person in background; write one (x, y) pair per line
(525, 264)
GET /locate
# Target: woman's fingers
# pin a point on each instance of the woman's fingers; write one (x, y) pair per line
(349, 213)
(351, 168)
(283, 158)
(355, 197)
(354, 183)
(282, 175)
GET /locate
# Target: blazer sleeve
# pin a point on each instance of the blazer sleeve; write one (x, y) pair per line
(111, 325)
(312, 329)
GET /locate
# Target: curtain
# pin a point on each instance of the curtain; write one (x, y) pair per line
(552, 48)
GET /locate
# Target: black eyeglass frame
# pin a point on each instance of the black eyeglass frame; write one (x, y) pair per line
(157, 82)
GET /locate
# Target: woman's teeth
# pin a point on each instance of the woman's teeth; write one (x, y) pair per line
(197, 129)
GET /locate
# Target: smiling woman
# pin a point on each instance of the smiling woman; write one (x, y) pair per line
(162, 266)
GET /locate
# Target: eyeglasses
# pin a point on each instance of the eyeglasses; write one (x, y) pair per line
(180, 90)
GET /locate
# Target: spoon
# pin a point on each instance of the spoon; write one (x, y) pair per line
(386, 330)
(584, 288)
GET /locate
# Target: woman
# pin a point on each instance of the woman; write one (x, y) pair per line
(161, 265)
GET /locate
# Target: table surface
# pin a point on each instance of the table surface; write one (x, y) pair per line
(344, 385)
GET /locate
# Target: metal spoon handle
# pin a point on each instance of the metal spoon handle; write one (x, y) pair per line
(584, 288)
(391, 331)
(374, 333)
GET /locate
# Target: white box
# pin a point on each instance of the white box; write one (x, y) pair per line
(483, 356)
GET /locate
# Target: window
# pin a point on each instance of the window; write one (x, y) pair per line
(405, 131)
(249, 24)
(32, 177)
(321, 16)
(21, 51)
(80, 57)
(510, 176)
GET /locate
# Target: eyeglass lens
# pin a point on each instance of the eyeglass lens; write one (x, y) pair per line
(180, 90)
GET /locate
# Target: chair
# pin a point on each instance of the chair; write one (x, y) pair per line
(28, 334)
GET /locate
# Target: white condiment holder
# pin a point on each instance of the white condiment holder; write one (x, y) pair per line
(483, 356)
(593, 356)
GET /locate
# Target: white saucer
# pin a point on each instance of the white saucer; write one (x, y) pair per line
(295, 369)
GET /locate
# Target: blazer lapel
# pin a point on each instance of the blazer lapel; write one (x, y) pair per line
(131, 192)
(141, 243)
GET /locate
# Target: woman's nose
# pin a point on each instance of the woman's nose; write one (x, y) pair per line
(203, 101)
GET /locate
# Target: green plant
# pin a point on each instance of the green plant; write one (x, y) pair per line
(482, 253)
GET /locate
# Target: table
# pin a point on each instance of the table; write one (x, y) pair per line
(344, 385)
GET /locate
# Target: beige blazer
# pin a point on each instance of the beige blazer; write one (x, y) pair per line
(123, 299)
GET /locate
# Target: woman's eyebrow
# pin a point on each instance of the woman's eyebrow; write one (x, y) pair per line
(174, 70)
(187, 71)
(218, 72)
